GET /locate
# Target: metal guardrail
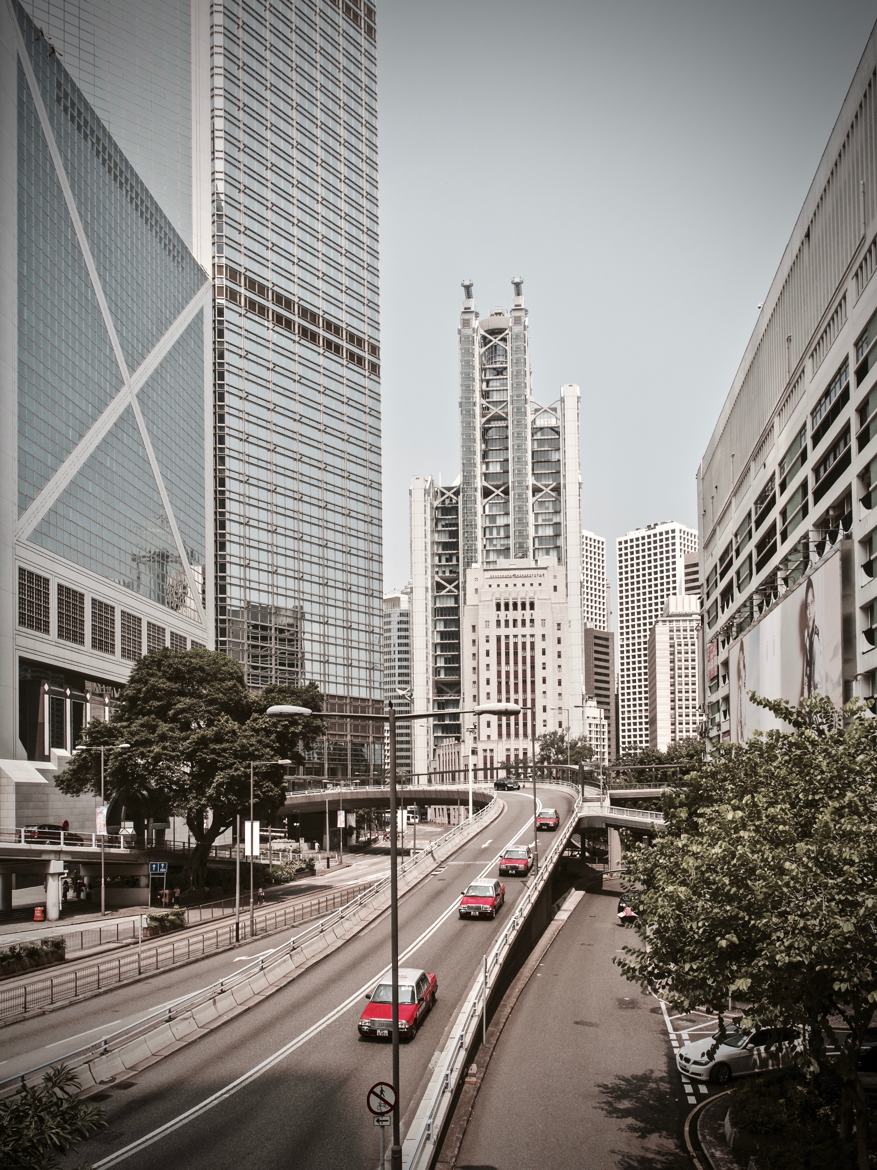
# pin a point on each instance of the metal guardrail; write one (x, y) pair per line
(418, 1147)
(66, 840)
(636, 814)
(324, 929)
(109, 972)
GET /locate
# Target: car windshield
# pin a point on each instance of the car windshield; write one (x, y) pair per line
(733, 1038)
(479, 890)
(517, 854)
(384, 993)
(548, 812)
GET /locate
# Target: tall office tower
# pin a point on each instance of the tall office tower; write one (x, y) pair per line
(651, 568)
(595, 585)
(691, 574)
(105, 353)
(674, 673)
(397, 670)
(291, 92)
(515, 504)
(786, 487)
(599, 681)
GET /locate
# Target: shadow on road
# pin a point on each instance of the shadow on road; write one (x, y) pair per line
(641, 1103)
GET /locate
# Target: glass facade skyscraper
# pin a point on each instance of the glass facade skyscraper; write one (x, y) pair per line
(104, 512)
(297, 439)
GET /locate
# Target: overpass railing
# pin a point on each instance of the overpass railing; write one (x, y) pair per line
(65, 839)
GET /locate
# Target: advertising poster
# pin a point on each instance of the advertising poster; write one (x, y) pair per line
(793, 653)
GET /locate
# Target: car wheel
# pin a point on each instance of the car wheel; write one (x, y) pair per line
(493, 913)
(721, 1074)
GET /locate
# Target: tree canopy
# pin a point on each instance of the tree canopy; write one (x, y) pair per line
(764, 886)
(557, 747)
(193, 730)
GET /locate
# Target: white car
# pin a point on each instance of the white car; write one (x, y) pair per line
(738, 1053)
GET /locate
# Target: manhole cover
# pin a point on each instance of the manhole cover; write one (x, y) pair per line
(626, 1002)
(586, 1023)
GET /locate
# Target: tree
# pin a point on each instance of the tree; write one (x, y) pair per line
(41, 1121)
(193, 729)
(556, 747)
(764, 886)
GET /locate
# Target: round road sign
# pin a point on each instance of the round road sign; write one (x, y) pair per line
(381, 1099)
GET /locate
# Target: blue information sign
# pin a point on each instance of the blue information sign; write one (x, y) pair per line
(158, 867)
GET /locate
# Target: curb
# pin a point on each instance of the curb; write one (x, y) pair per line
(710, 1125)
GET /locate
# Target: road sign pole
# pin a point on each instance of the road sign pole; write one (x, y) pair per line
(381, 1132)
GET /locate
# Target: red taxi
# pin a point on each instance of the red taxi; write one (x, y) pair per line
(515, 860)
(482, 899)
(548, 820)
(418, 990)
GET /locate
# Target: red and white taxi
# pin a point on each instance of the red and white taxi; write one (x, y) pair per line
(418, 990)
(547, 820)
(482, 899)
(516, 861)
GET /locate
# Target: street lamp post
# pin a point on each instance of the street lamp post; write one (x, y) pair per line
(391, 719)
(253, 846)
(103, 749)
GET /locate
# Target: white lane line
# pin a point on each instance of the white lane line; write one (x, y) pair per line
(305, 1037)
(487, 842)
(249, 958)
(79, 1035)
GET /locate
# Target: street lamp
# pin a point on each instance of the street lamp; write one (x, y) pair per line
(103, 749)
(253, 845)
(532, 711)
(391, 719)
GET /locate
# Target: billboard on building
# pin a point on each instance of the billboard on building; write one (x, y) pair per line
(792, 653)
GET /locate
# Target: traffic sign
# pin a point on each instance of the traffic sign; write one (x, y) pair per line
(382, 1121)
(158, 867)
(381, 1099)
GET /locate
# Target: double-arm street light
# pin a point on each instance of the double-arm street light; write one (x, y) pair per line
(103, 749)
(391, 718)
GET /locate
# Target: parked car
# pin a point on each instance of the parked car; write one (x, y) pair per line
(516, 860)
(52, 835)
(482, 899)
(418, 990)
(547, 820)
(506, 784)
(738, 1053)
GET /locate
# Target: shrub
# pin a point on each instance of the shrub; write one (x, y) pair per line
(790, 1123)
(26, 956)
(41, 1121)
(165, 922)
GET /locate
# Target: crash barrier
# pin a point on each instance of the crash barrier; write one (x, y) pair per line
(52, 990)
(420, 1144)
(129, 1046)
(67, 840)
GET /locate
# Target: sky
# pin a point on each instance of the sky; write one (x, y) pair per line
(640, 164)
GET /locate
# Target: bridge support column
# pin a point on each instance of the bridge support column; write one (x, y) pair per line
(53, 890)
(615, 851)
(6, 880)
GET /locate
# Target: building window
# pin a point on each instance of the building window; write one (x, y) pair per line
(33, 601)
(831, 403)
(103, 627)
(178, 641)
(794, 458)
(71, 615)
(155, 637)
(132, 636)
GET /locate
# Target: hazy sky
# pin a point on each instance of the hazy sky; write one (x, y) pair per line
(640, 163)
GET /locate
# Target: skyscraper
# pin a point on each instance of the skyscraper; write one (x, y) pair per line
(253, 131)
(651, 568)
(595, 585)
(598, 640)
(292, 103)
(397, 670)
(674, 673)
(105, 510)
(515, 507)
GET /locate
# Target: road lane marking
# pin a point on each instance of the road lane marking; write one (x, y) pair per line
(486, 843)
(269, 1062)
(249, 958)
(79, 1035)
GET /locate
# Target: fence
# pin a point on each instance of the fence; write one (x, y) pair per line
(108, 972)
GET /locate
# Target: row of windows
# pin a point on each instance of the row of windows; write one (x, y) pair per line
(34, 613)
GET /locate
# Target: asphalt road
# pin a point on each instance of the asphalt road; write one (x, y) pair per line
(583, 1074)
(285, 1083)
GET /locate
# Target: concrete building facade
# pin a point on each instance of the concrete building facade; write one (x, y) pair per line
(396, 651)
(675, 711)
(651, 568)
(786, 485)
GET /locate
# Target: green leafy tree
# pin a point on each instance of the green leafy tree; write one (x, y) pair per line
(194, 728)
(39, 1122)
(764, 887)
(556, 747)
